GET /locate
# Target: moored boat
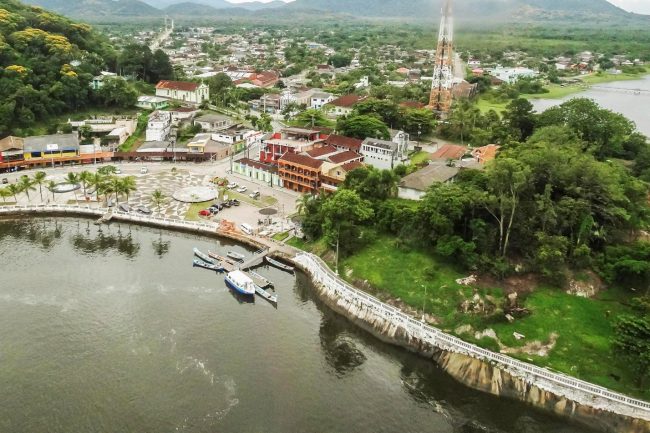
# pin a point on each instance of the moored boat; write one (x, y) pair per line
(236, 256)
(278, 264)
(203, 256)
(219, 257)
(201, 264)
(240, 282)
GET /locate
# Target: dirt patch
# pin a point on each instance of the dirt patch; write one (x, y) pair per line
(533, 348)
(524, 283)
(587, 286)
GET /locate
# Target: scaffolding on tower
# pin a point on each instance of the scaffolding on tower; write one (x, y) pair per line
(443, 74)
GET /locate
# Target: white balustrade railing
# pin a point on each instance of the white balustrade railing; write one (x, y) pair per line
(321, 273)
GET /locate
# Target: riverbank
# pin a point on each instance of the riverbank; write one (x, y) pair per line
(473, 366)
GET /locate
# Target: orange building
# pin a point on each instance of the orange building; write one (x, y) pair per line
(300, 173)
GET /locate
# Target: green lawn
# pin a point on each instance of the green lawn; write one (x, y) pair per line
(192, 213)
(420, 157)
(584, 326)
(280, 236)
(486, 105)
(556, 91)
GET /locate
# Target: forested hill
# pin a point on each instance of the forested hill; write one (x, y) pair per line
(46, 65)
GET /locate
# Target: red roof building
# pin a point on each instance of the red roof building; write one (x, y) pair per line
(300, 173)
(185, 91)
(342, 142)
(449, 151)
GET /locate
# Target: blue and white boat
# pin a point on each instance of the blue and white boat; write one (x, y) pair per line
(203, 256)
(241, 283)
(201, 264)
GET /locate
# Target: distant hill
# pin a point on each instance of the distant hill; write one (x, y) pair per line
(98, 8)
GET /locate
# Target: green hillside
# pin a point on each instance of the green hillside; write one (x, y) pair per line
(46, 65)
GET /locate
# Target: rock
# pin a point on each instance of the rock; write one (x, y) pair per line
(510, 318)
(486, 333)
(518, 336)
(463, 329)
(467, 281)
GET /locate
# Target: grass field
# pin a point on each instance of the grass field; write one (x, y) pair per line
(486, 105)
(192, 213)
(420, 157)
(584, 326)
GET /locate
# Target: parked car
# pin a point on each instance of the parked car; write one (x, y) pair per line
(144, 170)
(5, 180)
(226, 204)
(118, 171)
(232, 185)
(205, 213)
(143, 210)
(242, 190)
(235, 202)
(254, 195)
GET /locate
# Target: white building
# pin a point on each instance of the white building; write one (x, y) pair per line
(184, 91)
(511, 75)
(319, 99)
(159, 126)
(383, 154)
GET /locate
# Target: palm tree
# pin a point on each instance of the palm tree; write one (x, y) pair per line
(114, 186)
(302, 202)
(14, 189)
(39, 179)
(158, 198)
(4, 193)
(85, 177)
(25, 184)
(96, 180)
(51, 187)
(73, 179)
(128, 186)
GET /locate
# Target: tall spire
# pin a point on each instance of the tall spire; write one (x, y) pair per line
(443, 75)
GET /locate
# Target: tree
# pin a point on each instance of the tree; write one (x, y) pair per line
(263, 123)
(86, 133)
(85, 177)
(117, 92)
(632, 343)
(158, 198)
(161, 67)
(219, 84)
(127, 186)
(39, 179)
(4, 193)
(14, 190)
(520, 117)
(506, 180)
(340, 60)
(311, 118)
(342, 216)
(418, 121)
(371, 183)
(362, 127)
(25, 184)
(73, 179)
(51, 187)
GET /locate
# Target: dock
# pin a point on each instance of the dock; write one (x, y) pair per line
(256, 259)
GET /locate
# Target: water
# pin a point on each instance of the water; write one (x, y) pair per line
(609, 95)
(110, 329)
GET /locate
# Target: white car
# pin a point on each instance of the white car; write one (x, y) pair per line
(232, 185)
(144, 170)
(254, 195)
(118, 171)
(242, 190)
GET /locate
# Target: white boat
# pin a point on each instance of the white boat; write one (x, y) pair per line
(236, 256)
(241, 283)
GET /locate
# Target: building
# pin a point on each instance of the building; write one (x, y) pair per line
(333, 175)
(265, 79)
(185, 91)
(415, 185)
(449, 151)
(213, 122)
(344, 105)
(300, 173)
(511, 75)
(485, 154)
(98, 81)
(203, 143)
(159, 126)
(255, 170)
(152, 102)
(11, 149)
(319, 99)
(182, 113)
(342, 142)
(51, 146)
(292, 140)
(383, 154)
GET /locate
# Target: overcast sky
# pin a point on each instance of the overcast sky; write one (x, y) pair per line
(638, 6)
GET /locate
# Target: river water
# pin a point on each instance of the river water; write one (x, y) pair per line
(110, 329)
(617, 96)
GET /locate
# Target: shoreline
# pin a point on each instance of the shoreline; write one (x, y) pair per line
(476, 368)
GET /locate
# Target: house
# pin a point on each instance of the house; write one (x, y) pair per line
(319, 99)
(511, 75)
(383, 154)
(464, 90)
(152, 102)
(255, 170)
(344, 157)
(213, 122)
(50, 146)
(11, 149)
(344, 105)
(159, 126)
(449, 151)
(290, 140)
(402, 70)
(268, 103)
(185, 91)
(182, 113)
(333, 175)
(342, 142)
(155, 147)
(485, 154)
(99, 80)
(203, 143)
(415, 185)
(300, 173)
(265, 79)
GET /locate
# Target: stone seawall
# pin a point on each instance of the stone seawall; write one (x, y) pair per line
(485, 375)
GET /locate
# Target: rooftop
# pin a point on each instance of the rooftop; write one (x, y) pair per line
(347, 100)
(345, 156)
(349, 143)
(51, 142)
(322, 151)
(421, 180)
(186, 86)
(303, 160)
(382, 144)
(449, 151)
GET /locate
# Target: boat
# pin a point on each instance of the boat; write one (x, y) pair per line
(273, 299)
(236, 256)
(278, 264)
(203, 256)
(240, 282)
(124, 207)
(219, 257)
(201, 264)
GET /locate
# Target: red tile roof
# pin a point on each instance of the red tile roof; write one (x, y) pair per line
(449, 151)
(346, 156)
(352, 166)
(486, 153)
(349, 143)
(186, 86)
(303, 160)
(322, 151)
(347, 100)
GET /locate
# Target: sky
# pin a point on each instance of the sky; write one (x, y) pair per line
(638, 6)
